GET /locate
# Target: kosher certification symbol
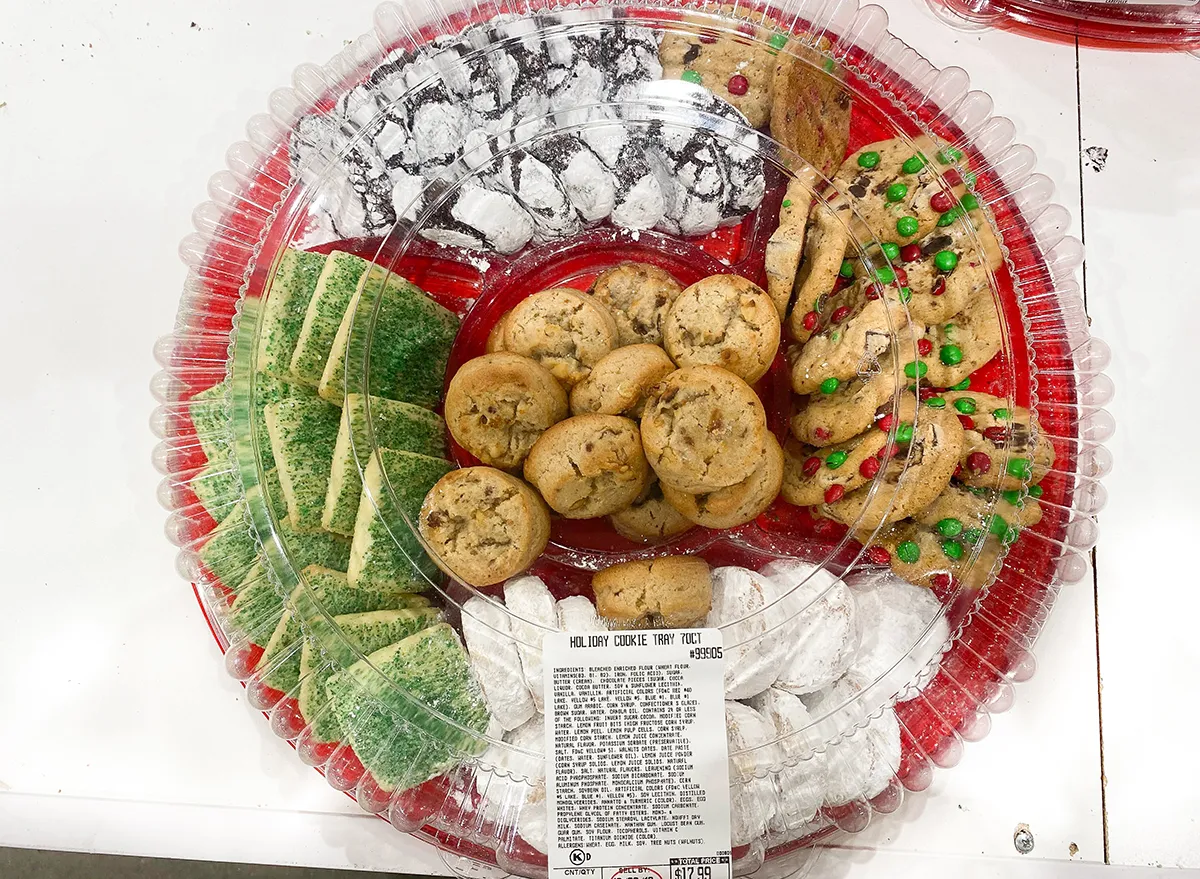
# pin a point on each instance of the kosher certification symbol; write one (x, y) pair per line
(579, 857)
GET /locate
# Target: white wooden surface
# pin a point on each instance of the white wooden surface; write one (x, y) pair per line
(119, 731)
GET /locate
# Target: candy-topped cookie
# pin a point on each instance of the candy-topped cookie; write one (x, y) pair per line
(825, 419)
(825, 241)
(1002, 444)
(786, 244)
(949, 352)
(740, 73)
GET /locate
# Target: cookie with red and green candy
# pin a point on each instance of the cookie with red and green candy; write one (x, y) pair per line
(1002, 444)
(738, 72)
(826, 238)
(824, 419)
(947, 353)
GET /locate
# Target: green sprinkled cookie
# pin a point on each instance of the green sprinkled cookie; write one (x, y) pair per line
(335, 290)
(303, 434)
(218, 487)
(285, 307)
(230, 550)
(207, 410)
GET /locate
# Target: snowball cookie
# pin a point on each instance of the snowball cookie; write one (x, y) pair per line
(618, 384)
(739, 503)
(800, 786)
(726, 321)
(564, 330)
(534, 614)
(860, 765)
(496, 663)
(578, 615)
(823, 629)
(509, 780)
(589, 465)
(903, 633)
(674, 591)
(498, 405)
(649, 518)
(484, 525)
(750, 625)
(639, 296)
(752, 801)
(703, 428)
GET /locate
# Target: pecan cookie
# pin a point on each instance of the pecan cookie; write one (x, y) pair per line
(672, 591)
(739, 503)
(483, 525)
(589, 465)
(725, 321)
(1003, 446)
(564, 330)
(703, 428)
(911, 481)
(739, 73)
(650, 518)
(619, 382)
(499, 404)
(638, 295)
(495, 337)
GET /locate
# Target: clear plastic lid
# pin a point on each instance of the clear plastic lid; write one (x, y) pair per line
(919, 363)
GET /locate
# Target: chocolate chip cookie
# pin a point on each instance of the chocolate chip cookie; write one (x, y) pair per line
(825, 419)
(949, 352)
(563, 329)
(619, 382)
(739, 503)
(672, 591)
(638, 295)
(1003, 446)
(826, 240)
(725, 321)
(741, 73)
(786, 244)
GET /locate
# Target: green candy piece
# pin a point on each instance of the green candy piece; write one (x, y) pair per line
(828, 65)
(908, 226)
(997, 525)
(951, 355)
(1000, 414)
(885, 275)
(963, 385)
(834, 336)
(936, 402)
(1021, 468)
(915, 369)
(950, 527)
(946, 260)
(952, 549)
(969, 202)
(948, 155)
(896, 192)
(913, 164)
(836, 459)
(890, 250)
(904, 433)
(950, 216)
(1014, 497)
(1035, 491)
(692, 77)
(830, 385)
(908, 552)
(787, 202)
(1010, 536)
(847, 269)
(905, 294)
(868, 159)
(970, 178)
(965, 405)
(972, 535)
(777, 41)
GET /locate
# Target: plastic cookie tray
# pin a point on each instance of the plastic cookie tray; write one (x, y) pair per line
(396, 203)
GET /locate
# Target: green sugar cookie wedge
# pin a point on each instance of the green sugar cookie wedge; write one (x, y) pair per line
(335, 290)
(217, 487)
(303, 548)
(400, 426)
(303, 433)
(207, 410)
(230, 550)
(409, 349)
(258, 606)
(280, 663)
(367, 631)
(285, 308)
(400, 743)
(376, 559)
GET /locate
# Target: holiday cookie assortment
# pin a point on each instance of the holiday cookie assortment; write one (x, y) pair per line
(613, 318)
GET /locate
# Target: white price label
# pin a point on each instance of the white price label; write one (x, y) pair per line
(637, 770)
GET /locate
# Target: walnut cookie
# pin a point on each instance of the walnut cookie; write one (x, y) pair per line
(638, 295)
(499, 404)
(725, 321)
(589, 465)
(650, 518)
(703, 428)
(619, 382)
(567, 331)
(483, 525)
(739, 503)
(672, 591)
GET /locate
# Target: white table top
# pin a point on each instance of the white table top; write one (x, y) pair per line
(119, 729)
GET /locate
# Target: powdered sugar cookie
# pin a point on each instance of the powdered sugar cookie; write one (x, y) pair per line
(754, 646)
(822, 631)
(496, 663)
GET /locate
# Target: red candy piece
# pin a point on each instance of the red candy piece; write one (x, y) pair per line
(901, 277)
(910, 252)
(939, 287)
(869, 468)
(886, 422)
(738, 84)
(958, 471)
(840, 314)
(979, 462)
(952, 177)
(924, 347)
(811, 320)
(997, 434)
(708, 39)
(834, 493)
(878, 555)
(822, 433)
(967, 422)
(812, 465)
(941, 202)
(873, 292)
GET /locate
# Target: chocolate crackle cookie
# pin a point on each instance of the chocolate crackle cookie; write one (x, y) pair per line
(484, 525)
(564, 330)
(499, 404)
(619, 382)
(589, 465)
(726, 321)
(739, 503)
(703, 428)
(672, 591)
(638, 295)
(650, 517)
(1002, 444)
(910, 481)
